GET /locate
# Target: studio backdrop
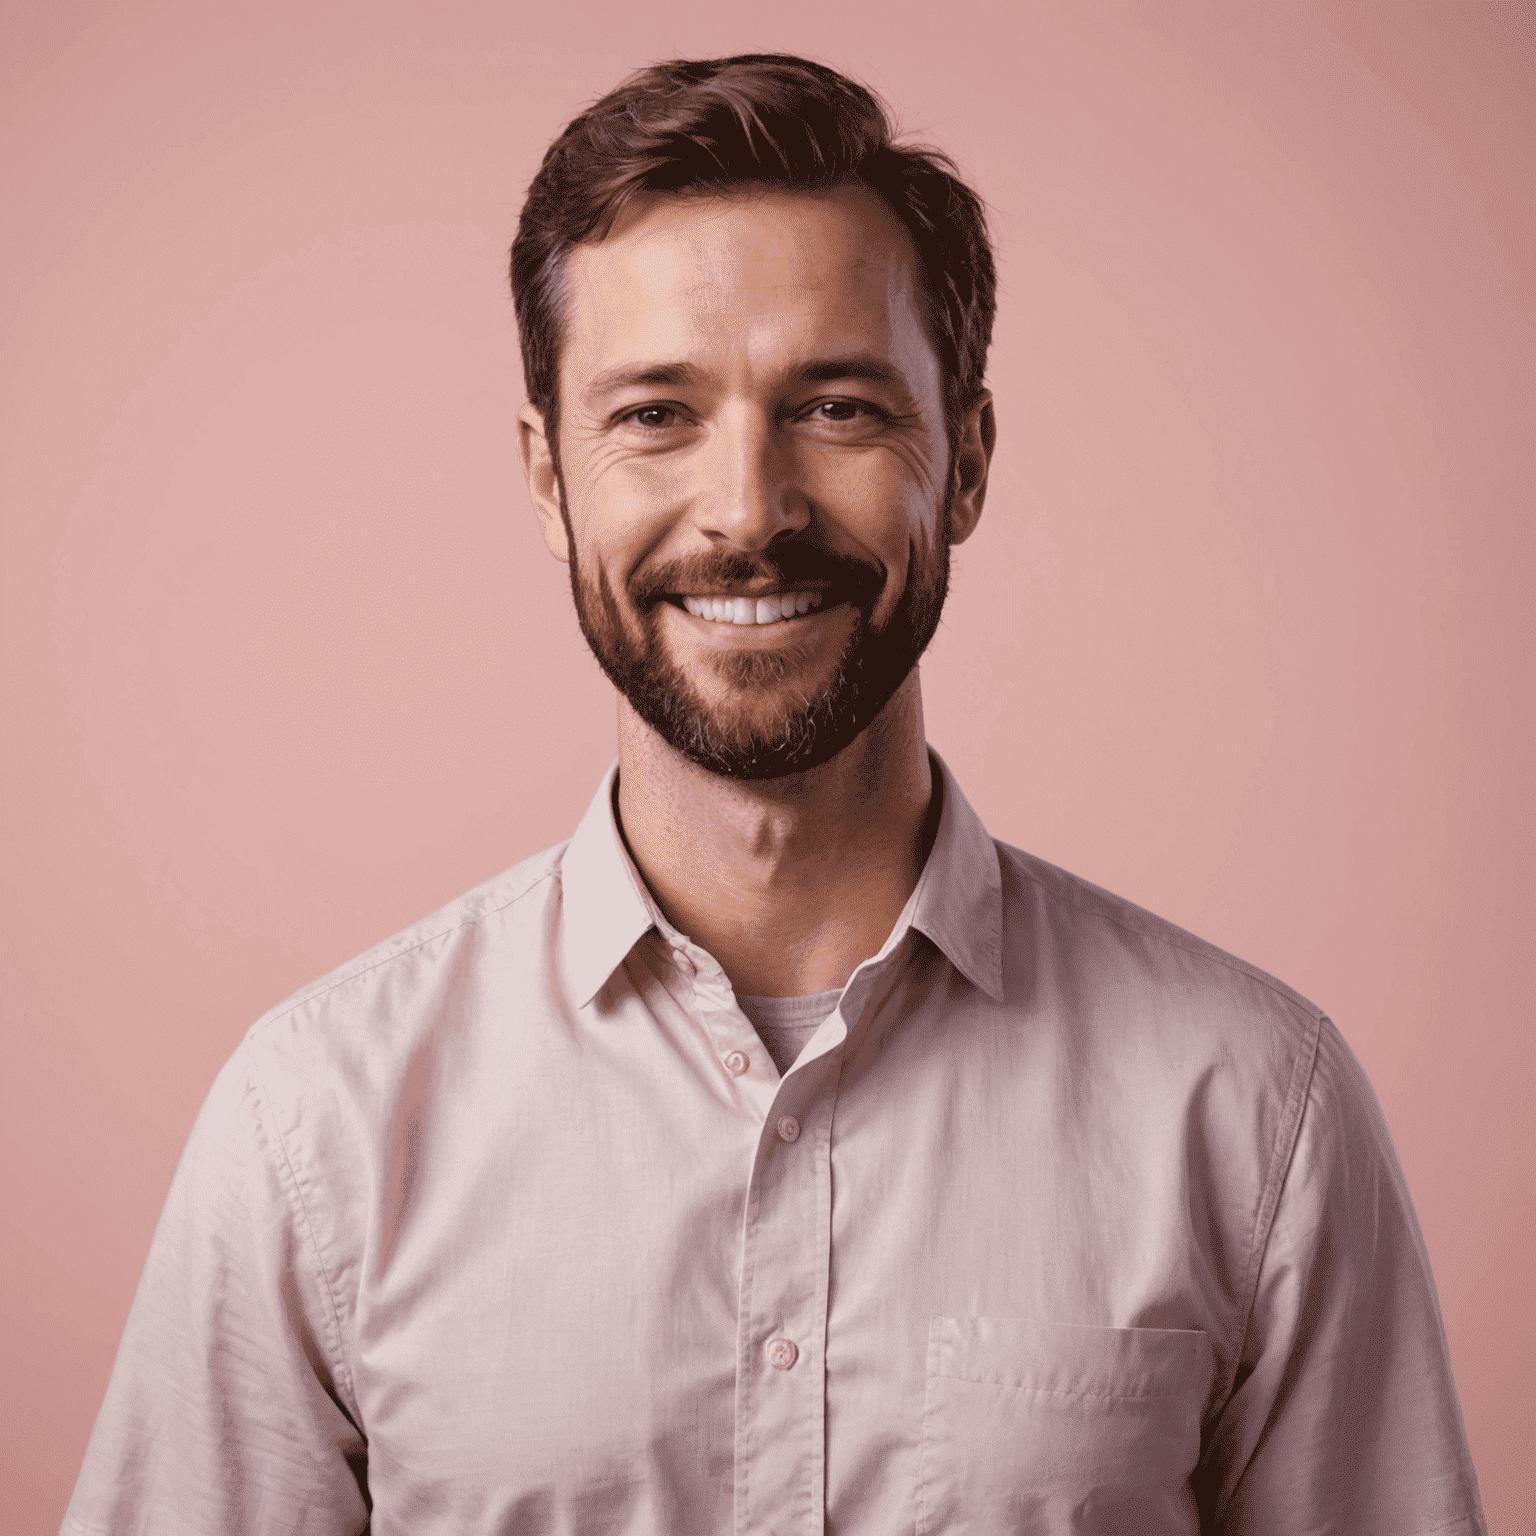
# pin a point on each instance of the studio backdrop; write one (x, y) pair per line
(1245, 633)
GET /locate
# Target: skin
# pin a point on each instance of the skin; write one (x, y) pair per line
(690, 427)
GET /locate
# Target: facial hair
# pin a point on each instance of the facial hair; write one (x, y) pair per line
(805, 731)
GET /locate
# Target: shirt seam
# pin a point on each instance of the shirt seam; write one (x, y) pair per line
(321, 989)
(1021, 1386)
(745, 1361)
(1195, 946)
(1297, 1093)
(1467, 1517)
(1303, 1076)
(292, 1186)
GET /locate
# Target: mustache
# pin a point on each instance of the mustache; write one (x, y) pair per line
(842, 578)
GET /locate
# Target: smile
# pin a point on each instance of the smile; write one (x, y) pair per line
(774, 609)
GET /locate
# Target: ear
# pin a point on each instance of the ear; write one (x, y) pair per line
(973, 459)
(543, 484)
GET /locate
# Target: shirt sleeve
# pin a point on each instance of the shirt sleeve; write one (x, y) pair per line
(230, 1407)
(1344, 1416)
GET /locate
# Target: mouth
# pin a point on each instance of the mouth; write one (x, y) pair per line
(771, 608)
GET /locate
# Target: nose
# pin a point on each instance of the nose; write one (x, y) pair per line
(750, 492)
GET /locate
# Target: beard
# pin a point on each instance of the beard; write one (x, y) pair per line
(766, 726)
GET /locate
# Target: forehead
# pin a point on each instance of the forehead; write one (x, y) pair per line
(752, 279)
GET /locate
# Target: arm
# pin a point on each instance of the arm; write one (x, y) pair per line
(230, 1407)
(1343, 1415)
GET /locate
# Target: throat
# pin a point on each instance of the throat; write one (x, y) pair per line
(789, 883)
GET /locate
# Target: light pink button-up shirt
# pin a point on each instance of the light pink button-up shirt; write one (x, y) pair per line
(1062, 1221)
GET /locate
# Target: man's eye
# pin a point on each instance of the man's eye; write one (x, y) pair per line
(653, 418)
(843, 411)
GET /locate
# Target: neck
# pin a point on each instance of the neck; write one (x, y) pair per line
(789, 883)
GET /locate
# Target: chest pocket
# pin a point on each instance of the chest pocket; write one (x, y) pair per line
(1049, 1427)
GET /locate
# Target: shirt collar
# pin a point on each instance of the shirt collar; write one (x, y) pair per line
(606, 908)
(958, 902)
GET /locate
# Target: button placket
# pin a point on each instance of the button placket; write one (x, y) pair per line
(780, 1438)
(786, 1273)
(737, 1048)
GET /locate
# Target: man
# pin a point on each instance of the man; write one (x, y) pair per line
(781, 1153)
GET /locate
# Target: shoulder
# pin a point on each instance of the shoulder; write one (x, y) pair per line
(1067, 929)
(359, 1017)
(1145, 1012)
(332, 1091)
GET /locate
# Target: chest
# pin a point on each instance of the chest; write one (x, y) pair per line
(614, 1303)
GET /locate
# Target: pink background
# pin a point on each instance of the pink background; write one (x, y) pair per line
(1246, 633)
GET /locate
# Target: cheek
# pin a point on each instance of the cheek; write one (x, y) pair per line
(620, 515)
(882, 487)
(879, 511)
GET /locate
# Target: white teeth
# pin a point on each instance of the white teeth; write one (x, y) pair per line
(747, 610)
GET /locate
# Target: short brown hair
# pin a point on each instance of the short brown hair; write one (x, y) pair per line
(766, 119)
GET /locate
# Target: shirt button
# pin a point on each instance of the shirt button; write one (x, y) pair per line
(736, 1062)
(782, 1354)
(788, 1128)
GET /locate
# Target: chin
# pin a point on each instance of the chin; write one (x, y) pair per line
(753, 743)
(715, 726)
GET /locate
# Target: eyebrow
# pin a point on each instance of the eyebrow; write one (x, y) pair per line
(643, 376)
(866, 366)
(858, 365)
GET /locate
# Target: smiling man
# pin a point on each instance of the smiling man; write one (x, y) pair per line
(780, 1154)
(756, 486)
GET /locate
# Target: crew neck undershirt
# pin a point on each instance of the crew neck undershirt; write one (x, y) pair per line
(786, 1023)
